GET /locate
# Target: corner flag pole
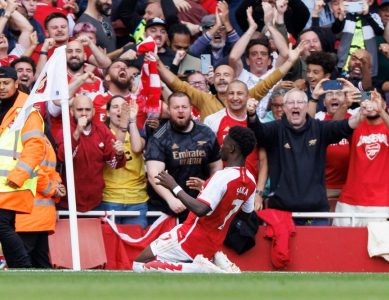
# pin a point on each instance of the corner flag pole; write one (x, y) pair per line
(70, 186)
(57, 88)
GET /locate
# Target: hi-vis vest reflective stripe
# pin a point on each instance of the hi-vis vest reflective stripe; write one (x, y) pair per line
(10, 148)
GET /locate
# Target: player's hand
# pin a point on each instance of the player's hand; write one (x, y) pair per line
(194, 183)
(166, 180)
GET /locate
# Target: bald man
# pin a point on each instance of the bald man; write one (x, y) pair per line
(93, 146)
(75, 60)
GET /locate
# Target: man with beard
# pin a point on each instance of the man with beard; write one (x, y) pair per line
(93, 147)
(75, 60)
(360, 69)
(98, 14)
(218, 36)
(80, 83)
(57, 30)
(367, 189)
(118, 81)
(188, 151)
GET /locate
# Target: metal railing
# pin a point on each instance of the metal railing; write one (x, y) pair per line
(325, 215)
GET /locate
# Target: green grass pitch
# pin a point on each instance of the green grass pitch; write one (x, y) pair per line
(88, 285)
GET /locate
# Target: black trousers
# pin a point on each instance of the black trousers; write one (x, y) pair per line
(13, 248)
(37, 246)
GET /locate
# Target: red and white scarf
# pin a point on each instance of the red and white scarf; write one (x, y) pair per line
(150, 83)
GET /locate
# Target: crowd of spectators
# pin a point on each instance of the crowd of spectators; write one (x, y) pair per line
(281, 67)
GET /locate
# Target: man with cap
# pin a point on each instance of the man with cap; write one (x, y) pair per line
(218, 36)
(157, 29)
(21, 152)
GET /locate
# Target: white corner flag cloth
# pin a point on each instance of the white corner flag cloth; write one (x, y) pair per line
(57, 87)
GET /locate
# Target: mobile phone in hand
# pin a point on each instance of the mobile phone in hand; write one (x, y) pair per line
(205, 63)
(332, 85)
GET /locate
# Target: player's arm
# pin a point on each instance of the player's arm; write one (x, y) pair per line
(197, 207)
(154, 168)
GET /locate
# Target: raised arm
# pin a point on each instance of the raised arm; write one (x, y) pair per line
(263, 86)
(128, 123)
(278, 38)
(239, 48)
(98, 57)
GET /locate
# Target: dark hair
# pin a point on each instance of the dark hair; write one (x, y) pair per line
(114, 97)
(324, 59)
(244, 138)
(109, 103)
(52, 16)
(178, 94)
(264, 41)
(178, 29)
(25, 59)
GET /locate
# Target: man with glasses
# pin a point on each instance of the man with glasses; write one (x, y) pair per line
(276, 105)
(98, 13)
(337, 153)
(296, 148)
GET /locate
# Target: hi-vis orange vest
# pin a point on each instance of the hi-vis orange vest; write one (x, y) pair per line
(43, 215)
(20, 154)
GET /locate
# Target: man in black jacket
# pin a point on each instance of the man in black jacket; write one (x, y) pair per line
(296, 148)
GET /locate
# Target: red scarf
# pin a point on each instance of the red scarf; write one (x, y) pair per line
(150, 83)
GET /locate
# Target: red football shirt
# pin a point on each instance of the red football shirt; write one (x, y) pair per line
(226, 192)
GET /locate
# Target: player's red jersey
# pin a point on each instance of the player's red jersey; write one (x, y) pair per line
(220, 123)
(226, 192)
(89, 87)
